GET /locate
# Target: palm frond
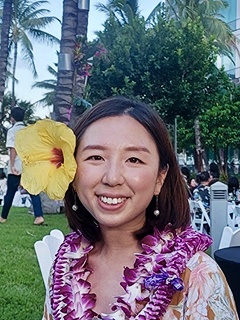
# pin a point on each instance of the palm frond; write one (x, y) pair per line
(43, 37)
(46, 84)
(123, 10)
(27, 52)
(52, 71)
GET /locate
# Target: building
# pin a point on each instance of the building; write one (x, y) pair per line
(232, 16)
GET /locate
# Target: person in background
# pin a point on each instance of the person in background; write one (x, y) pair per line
(190, 182)
(3, 186)
(202, 191)
(15, 170)
(233, 188)
(132, 253)
(214, 170)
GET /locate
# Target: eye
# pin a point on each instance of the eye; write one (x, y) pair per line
(95, 158)
(135, 160)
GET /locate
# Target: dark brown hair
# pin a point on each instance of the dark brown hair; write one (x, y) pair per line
(173, 199)
(17, 113)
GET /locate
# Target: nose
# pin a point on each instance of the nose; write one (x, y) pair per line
(114, 174)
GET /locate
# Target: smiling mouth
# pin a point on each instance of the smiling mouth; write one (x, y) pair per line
(109, 200)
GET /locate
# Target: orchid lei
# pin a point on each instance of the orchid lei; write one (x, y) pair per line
(149, 286)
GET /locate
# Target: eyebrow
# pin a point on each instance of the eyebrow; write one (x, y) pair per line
(100, 147)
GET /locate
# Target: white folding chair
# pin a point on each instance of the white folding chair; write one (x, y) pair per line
(46, 250)
(199, 215)
(229, 238)
(236, 213)
(52, 243)
(44, 259)
(57, 234)
(226, 237)
(235, 241)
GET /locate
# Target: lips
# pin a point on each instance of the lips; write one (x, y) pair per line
(109, 200)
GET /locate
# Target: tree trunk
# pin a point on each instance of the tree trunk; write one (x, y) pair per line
(79, 81)
(199, 164)
(63, 99)
(15, 52)
(4, 50)
(70, 86)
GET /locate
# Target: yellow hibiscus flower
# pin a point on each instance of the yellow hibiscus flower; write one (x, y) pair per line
(46, 149)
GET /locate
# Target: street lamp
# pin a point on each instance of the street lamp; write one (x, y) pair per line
(83, 4)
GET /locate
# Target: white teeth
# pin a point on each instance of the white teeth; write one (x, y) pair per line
(111, 200)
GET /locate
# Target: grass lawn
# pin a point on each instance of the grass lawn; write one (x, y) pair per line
(22, 290)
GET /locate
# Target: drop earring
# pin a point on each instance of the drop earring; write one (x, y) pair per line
(156, 212)
(75, 206)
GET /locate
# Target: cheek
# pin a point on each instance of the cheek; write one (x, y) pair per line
(145, 179)
(86, 178)
(80, 178)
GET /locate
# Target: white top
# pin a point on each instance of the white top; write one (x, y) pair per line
(10, 143)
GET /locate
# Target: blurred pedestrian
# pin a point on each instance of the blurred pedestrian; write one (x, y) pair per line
(190, 182)
(214, 170)
(233, 188)
(3, 186)
(202, 191)
(15, 170)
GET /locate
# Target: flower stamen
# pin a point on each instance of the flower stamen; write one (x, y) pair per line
(57, 159)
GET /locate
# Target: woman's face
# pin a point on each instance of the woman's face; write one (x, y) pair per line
(118, 172)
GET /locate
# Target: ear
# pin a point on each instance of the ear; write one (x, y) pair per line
(160, 180)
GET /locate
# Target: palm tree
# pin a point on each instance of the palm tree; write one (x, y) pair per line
(28, 23)
(123, 11)
(209, 12)
(74, 27)
(6, 23)
(63, 98)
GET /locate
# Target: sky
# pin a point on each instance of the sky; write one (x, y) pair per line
(45, 56)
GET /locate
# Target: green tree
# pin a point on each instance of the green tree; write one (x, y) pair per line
(118, 63)
(28, 23)
(216, 133)
(209, 13)
(220, 128)
(157, 64)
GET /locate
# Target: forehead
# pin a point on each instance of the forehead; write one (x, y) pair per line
(117, 129)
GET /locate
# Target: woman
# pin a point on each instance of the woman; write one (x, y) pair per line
(233, 189)
(191, 184)
(132, 253)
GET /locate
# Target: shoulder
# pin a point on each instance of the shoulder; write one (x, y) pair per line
(17, 126)
(206, 294)
(206, 279)
(202, 260)
(10, 131)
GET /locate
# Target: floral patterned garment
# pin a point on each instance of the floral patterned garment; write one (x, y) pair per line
(206, 294)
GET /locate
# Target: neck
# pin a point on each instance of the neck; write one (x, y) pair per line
(116, 241)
